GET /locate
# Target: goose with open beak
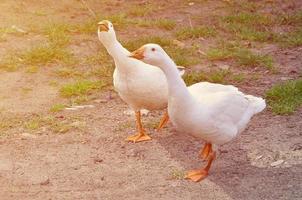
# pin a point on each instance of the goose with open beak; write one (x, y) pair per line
(140, 85)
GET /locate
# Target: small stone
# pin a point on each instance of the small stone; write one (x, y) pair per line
(100, 101)
(276, 163)
(18, 29)
(258, 157)
(191, 4)
(224, 67)
(46, 182)
(98, 160)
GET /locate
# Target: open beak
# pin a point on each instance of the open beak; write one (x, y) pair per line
(138, 54)
(103, 26)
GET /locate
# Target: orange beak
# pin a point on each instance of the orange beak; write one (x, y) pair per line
(138, 54)
(103, 26)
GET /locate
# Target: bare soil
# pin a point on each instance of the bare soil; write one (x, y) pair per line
(93, 161)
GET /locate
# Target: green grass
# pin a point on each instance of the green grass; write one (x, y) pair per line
(286, 97)
(87, 27)
(195, 32)
(68, 72)
(214, 76)
(242, 56)
(7, 31)
(140, 10)
(250, 33)
(167, 24)
(291, 39)
(294, 19)
(177, 174)
(248, 26)
(33, 124)
(132, 45)
(80, 88)
(57, 34)
(10, 63)
(57, 108)
(32, 69)
(245, 57)
(181, 56)
(44, 54)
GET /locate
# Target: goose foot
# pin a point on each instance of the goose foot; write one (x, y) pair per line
(197, 175)
(139, 137)
(164, 120)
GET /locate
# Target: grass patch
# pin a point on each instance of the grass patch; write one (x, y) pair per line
(87, 27)
(286, 97)
(248, 26)
(246, 58)
(68, 72)
(167, 24)
(57, 108)
(248, 19)
(177, 174)
(9, 30)
(291, 19)
(80, 88)
(181, 56)
(140, 11)
(32, 69)
(45, 54)
(214, 76)
(293, 39)
(10, 63)
(240, 55)
(33, 124)
(132, 45)
(58, 34)
(195, 32)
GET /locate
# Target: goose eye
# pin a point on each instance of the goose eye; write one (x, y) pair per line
(153, 49)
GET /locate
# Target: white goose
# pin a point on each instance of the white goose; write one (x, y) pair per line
(212, 112)
(140, 85)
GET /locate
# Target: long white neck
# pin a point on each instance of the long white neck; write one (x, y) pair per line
(176, 86)
(116, 50)
(112, 45)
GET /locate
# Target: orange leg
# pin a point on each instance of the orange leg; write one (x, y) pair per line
(141, 135)
(199, 174)
(206, 151)
(163, 121)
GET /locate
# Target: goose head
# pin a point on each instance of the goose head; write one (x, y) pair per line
(152, 54)
(106, 33)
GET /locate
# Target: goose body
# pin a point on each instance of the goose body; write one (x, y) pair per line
(214, 113)
(140, 85)
(216, 117)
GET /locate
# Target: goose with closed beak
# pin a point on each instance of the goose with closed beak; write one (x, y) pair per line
(140, 85)
(214, 113)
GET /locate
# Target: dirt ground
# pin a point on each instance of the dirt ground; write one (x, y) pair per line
(93, 160)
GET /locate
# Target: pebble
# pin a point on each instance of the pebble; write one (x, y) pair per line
(276, 163)
(224, 67)
(46, 182)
